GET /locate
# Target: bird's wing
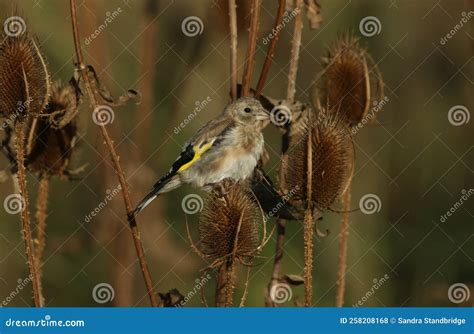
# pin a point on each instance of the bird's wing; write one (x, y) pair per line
(206, 138)
(214, 128)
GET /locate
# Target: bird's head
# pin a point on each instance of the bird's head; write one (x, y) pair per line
(248, 111)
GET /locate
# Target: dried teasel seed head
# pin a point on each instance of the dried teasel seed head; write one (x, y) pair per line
(24, 76)
(50, 148)
(327, 148)
(63, 104)
(228, 225)
(350, 81)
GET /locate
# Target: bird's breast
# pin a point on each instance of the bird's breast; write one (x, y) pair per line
(235, 157)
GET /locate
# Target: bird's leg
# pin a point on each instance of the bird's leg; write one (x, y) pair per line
(218, 187)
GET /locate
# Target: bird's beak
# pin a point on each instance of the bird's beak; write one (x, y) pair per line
(263, 115)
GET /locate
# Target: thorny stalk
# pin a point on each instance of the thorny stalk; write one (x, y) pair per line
(25, 213)
(295, 52)
(115, 161)
(342, 258)
(41, 214)
(290, 97)
(309, 227)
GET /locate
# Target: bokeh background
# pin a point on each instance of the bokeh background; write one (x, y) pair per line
(412, 158)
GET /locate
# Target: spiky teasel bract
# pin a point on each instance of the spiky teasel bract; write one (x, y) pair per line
(228, 226)
(319, 161)
(52, 137)
(350, 81)
(24, 76)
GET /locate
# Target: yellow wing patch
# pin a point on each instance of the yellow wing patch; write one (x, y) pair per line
(198, 152)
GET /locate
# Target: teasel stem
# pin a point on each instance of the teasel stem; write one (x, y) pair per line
(25, 214)
(279, 251)
(290, 97)
(228, 269)
(225, 284)
(252, 46)
(233, 48)
(41, 214)
(221, 280)
(309, 226)
(342, 258)
(271, 48)
(246, 289)
(115, 162)
(295, 52)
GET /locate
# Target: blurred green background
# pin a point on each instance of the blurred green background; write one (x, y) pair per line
(413, 158)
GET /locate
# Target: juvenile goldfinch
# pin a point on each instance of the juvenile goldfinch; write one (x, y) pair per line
(228, 146)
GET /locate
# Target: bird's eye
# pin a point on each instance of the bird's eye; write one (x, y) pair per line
(247, 110)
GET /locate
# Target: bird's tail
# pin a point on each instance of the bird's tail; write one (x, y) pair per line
(167, 183)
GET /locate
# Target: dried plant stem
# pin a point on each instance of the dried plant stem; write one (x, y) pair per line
(295, 51)
(290, 97)
(271, 48)
(221, 286)
(115, 161)
(230, 284)
(246, 289)
(225, 284)
(308, 257)
(308, 227)
(25, 214)
(343, 237)
(41, 214)
(233, 48)
(252, 46)
(279, 250)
